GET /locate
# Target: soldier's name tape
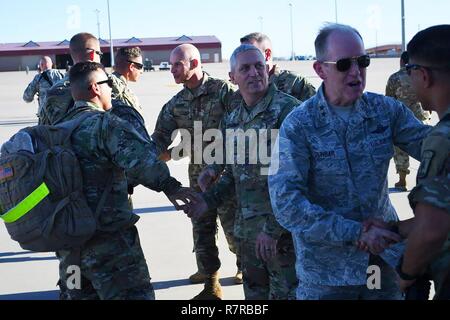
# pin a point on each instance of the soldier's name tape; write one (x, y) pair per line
(27, 204)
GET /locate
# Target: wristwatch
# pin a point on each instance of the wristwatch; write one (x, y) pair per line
(401, 274)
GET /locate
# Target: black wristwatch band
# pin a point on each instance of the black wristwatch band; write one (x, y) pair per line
(403, 275)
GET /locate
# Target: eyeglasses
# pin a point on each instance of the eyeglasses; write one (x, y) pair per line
(138, 65)
(343, 65)
(109, 82)
(100, 54)
(412, 66)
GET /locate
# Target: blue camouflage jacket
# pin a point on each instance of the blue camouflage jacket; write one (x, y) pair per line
(333, 176)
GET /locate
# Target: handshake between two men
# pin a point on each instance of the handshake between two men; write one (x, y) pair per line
(376, 234)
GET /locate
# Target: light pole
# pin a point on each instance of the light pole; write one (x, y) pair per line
(98, 22)
(335, 10)
(110, 36)
(261, 22)
(292, 34)
(403, 27)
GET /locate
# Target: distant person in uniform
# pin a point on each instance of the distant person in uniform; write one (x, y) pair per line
(399, 87)
(83, 47)
(42, 82)
(427, 254)
(330, 175)
(286, 81)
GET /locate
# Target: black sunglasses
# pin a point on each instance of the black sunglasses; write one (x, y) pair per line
(138, 65)
(343, 65)
(413, 66)
(109, 82)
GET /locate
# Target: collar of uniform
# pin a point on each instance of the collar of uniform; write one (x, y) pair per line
(276, 72)
(83, 103)
(119, 76)
(260, 107)
(201, 90)
(323, 113)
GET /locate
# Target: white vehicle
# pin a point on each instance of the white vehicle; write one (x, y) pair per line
(164, 66)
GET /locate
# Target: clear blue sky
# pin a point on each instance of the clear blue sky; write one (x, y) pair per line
(378, 20)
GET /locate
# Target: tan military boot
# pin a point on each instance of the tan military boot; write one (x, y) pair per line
(401, 184)
(212, 290)
(238, 279)
(197, 278)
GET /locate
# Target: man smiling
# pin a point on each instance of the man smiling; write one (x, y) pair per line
(333, 159)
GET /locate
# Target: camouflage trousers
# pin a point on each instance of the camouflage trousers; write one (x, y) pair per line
(401, 159)
(390, 289)
(112, 267)
(205, 231)
(272, 280)
(205, 237)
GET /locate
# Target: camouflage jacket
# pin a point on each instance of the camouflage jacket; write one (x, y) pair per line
(292, 84)
(433, 187)
(249, 180)
(40, 85)
(107, 146)
(332, 176)
(206, 106)
(399, 87)
(122, 94)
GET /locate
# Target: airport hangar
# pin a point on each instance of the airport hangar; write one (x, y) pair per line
(19, 56)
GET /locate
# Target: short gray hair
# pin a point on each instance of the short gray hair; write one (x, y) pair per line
(241, 49)
(321, 41)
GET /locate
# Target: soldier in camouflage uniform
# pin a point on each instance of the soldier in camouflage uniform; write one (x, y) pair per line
(41, 83)
(268, 257)
(203, 102)
(83, 47)
(112, 263)
(399, 87)
(428, 233)
(331, 175)
(286, 81)
(128, 67)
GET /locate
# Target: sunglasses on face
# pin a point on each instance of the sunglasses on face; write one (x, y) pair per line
(109, 82)
(138, 65)
(413, 66)
(343, 65)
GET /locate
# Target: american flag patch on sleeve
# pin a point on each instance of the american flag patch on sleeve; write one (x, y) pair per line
(6, 172)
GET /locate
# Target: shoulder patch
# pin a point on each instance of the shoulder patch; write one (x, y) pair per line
(427, 157)
(6, 171)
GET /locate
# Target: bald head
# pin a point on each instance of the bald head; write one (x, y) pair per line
(45, 63)
(186, 65)
(84, 47)
(186, 52)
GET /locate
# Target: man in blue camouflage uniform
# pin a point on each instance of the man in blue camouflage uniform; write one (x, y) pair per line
(112, 263)
(41, 83)
(427, 254)
(268, 257)
(330, 175)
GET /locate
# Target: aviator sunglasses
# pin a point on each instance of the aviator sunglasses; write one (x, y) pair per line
(343, 65)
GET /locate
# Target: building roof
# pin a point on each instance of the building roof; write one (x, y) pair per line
(62, 46)
(384, 48)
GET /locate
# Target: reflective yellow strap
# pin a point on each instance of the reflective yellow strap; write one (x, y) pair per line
(27, 204)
